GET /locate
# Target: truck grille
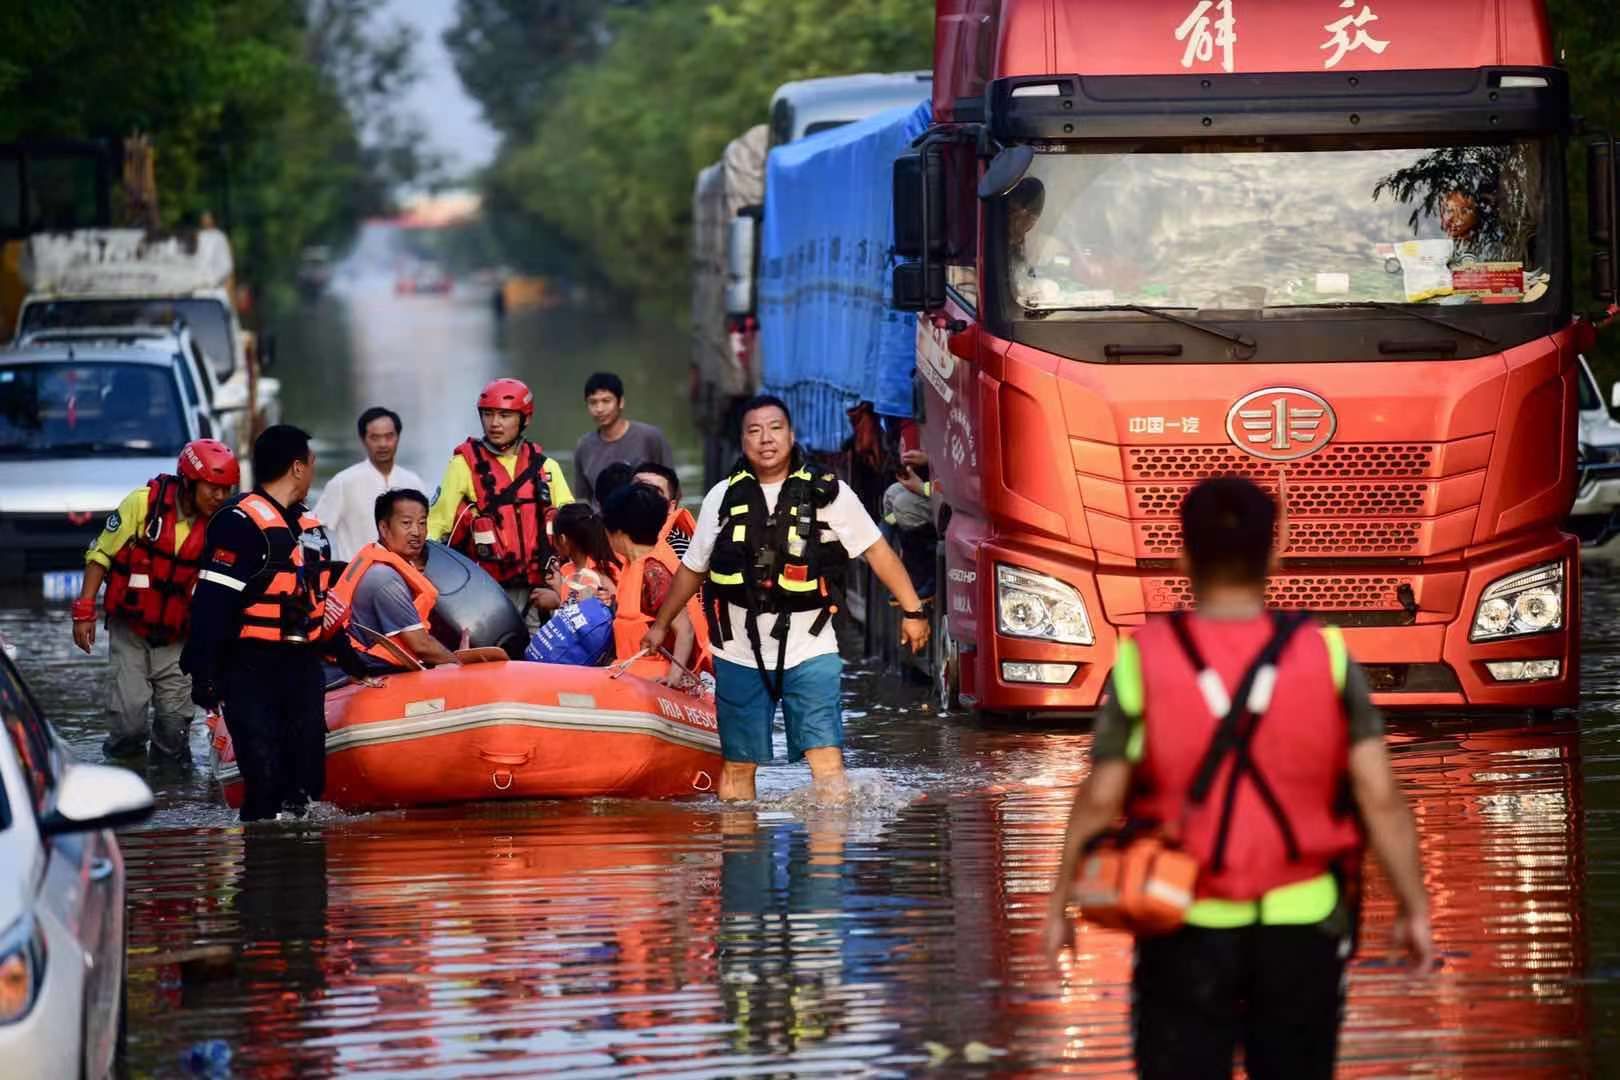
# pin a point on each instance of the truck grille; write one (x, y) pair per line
(1304, 500)
(1373, 461)
(1369, 539)
(1295, 592)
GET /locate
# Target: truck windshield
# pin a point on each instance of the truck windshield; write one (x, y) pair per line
(75, 410)
(209, 322)
(1262, 223)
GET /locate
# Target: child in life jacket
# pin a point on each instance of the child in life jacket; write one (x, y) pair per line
(634, 517)
(1245, 740)
(585, 564)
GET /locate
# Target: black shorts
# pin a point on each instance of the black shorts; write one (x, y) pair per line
(1276, 991)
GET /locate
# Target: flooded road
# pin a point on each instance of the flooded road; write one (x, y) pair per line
(893, 937)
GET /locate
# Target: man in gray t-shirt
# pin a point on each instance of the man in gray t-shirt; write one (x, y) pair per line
(616, 438)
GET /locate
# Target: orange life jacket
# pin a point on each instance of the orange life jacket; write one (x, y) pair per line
(506, 530)
(577, 582)
(149, 584)
(1264, 804)
(292, 608)
(679, 518)
(424, 594)
(630, 622)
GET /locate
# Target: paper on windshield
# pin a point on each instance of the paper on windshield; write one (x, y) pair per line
(1424, 268)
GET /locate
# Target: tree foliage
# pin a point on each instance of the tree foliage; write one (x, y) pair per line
(273, 115)
(605, 157)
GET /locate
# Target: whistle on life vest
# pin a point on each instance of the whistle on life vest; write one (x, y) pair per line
(1142, 884)
(483, 534)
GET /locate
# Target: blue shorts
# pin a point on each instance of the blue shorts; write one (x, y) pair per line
(810, 705)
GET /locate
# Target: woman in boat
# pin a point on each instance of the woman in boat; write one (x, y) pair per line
(634, 518)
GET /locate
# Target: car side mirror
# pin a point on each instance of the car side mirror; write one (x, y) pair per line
(92, 797)
(1600, 215)
(918, 286)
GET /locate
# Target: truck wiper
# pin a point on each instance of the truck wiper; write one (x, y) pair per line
(1241, 341)
(1399, 309)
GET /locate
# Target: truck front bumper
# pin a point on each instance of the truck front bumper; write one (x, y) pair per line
(1408, 626)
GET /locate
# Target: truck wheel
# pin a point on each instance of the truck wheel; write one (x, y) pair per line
(946, 662)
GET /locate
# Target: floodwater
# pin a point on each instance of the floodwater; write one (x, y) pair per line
(896, 936)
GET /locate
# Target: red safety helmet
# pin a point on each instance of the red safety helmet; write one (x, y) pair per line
(508, 394)
(210, 460)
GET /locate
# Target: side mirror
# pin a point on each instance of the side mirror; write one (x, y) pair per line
(919, 204)
(918, 286)
(742, 256)
(267, 351)
(1600, 215)
(92, 797)
(1005, 170)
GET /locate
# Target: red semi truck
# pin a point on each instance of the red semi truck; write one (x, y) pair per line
(1322, 244)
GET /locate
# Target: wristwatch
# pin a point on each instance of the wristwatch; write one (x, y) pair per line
(904, 615)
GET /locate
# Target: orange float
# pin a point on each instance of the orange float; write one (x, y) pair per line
(506, 729)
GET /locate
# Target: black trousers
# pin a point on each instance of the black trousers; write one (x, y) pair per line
(275, 711)
(1276, 991)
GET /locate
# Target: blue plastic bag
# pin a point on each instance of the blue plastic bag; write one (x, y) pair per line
(579, 632)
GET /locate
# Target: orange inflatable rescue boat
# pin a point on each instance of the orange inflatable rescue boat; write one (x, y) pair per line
(506, 729)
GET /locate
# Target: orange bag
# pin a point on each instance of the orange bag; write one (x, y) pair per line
(1142, 883)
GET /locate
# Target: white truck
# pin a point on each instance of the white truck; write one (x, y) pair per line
(132, 277)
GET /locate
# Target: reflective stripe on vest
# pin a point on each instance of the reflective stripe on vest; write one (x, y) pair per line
(1300, 904)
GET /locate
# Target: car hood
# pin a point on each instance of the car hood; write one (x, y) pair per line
(18, 866)
(74, 485)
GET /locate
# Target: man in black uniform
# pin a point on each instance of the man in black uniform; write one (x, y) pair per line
(260, 625)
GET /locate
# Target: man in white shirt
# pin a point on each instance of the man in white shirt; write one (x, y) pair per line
(348, 502)
(759, 565)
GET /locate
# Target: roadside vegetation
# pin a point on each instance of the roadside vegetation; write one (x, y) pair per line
(274, 116)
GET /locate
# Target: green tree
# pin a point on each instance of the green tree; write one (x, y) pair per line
(271, 114)
(607, 161)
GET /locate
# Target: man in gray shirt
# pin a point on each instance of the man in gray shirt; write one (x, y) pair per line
(616, 438)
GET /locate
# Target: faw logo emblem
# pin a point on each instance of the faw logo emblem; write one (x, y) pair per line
(1281, 423)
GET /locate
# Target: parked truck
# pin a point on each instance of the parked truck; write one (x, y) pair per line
(729, 201)
(1320, 244)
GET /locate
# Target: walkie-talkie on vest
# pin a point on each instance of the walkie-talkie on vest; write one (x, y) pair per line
(483, 533)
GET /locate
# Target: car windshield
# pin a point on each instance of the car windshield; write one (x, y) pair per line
(1263, 223)
(209, 322)
(60, 410)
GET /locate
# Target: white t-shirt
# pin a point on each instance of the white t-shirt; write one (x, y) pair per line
(347, 506)
(847, 519)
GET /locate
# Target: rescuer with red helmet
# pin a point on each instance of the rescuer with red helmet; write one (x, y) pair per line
(149, 555)
(497, 496)
(1245, 742)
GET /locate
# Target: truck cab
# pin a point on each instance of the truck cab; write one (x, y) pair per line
(1288, 242)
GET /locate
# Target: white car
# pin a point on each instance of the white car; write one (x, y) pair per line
(1594, 516)
(62, 927)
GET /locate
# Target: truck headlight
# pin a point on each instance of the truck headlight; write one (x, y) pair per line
(1031, 605)
(1528, 602)
(22, 968)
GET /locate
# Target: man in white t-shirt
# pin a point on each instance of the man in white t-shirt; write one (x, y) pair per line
(348, 502)
(763, 557)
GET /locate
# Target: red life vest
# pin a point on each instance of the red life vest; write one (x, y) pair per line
(149, 584)
(1297, 750)
(630, 622)
(424, 594)
(505, 531)
(292, 607)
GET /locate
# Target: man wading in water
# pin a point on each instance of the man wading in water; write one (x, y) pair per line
(773, 541)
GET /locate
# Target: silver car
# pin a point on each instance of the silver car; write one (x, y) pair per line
(1595, 517)
(81, 426)
(62, 929)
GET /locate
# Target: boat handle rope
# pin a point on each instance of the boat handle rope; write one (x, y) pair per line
(707, 782)
(692, 685)
(495, 778)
